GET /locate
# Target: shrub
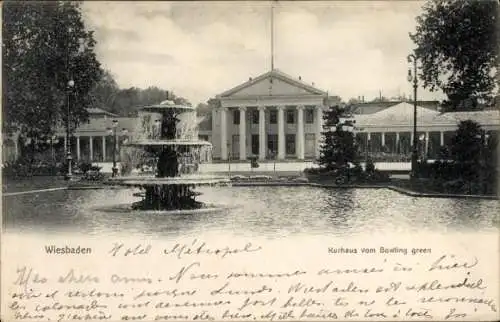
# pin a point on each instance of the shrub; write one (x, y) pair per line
(85, 167)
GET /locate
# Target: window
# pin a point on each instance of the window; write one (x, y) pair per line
(290, 116)
(273, 117)
(255, 117)
(272, 145)
(236, 117)
(255, 144)
(309, 116)
(290, 144)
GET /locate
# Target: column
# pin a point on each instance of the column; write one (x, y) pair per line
(397, 143)
(368, 142)
(243, 132)
(281, 133)
(262, 132)
(223, 133)
(103, 148)
(300, 132)
(16, 148)
(91, 148)
(426, 144)
(65, 146)
(383, 138)
(319, 128)
(78, 148)
(441, 138)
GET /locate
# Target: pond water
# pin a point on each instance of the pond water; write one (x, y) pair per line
(268, 212)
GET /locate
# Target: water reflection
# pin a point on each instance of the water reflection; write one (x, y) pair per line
(264, 211)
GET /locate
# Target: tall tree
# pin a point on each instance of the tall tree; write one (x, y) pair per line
(45, 46)
(457, 45)
(339, 145)
(105, 91)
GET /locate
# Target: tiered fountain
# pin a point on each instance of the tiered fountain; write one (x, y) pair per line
(172, 143)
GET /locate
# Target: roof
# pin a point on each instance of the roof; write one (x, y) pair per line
(278, 74)
(402, 114)
(374, 107)
(97, 110)
(102, 124)
(483, 117)
(370, 108)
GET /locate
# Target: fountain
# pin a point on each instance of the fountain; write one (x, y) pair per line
(173, 147)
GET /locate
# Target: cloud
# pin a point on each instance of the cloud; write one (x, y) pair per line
(200, 49)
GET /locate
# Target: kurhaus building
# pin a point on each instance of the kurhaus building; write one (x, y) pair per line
(271, 116)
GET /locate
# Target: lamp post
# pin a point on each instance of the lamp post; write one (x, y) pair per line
(413, 78)
(112, 132)
(69, 158)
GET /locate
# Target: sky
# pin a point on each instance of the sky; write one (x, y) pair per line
(201, 49)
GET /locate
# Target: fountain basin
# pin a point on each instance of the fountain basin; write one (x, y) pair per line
(197, 180)
(168, 106)
(127, 209)
(161, 143)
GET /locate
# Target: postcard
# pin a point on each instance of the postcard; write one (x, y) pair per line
(250, 161)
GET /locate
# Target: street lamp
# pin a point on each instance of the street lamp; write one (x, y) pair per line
(112, 131)
(413, 78)
(69, 158)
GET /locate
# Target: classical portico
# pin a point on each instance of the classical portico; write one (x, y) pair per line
(273, 116)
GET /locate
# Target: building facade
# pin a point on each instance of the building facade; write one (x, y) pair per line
(271, 116)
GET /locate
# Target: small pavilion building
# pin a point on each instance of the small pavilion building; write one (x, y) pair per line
(388, 133)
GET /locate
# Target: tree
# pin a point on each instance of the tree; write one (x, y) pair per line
(466, 151)
(339, 146)
(45, 45)
(457, 45)
(105, 91)
(466, 143)
(354, 100)
(128, 101)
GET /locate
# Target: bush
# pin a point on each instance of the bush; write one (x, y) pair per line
(85, 167)
(313, 170)
(346, 174)
(28, 168)
(455, 177)
(369, 166)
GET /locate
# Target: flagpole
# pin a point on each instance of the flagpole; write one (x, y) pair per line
(272, 35)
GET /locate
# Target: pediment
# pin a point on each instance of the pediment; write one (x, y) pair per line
(272, 83)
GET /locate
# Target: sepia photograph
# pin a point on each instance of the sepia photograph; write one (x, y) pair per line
(250, 161)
